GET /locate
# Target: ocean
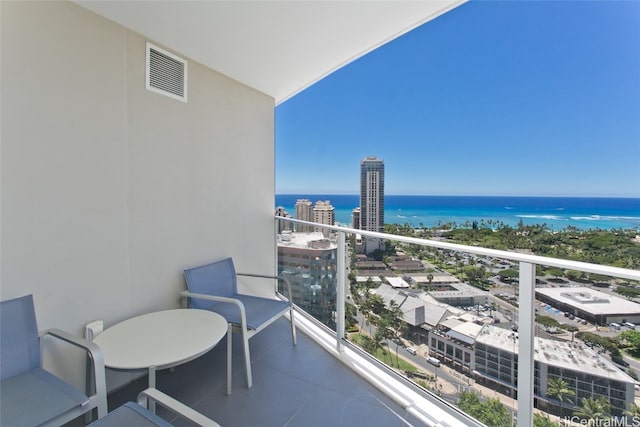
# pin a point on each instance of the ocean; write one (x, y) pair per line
(428, 211)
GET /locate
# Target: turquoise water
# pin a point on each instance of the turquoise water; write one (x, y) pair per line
(428, 211)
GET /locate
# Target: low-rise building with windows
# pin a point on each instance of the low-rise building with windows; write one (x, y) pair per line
(592, 305)
(584, 371)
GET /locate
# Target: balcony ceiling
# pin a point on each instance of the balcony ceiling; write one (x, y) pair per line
(276, 47)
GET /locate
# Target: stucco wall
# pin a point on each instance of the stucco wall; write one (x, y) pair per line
(109, 190)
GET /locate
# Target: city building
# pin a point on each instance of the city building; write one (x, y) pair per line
(309, 262)
(584, 371)
(458, 294)
(355, 218)
(591, 305)
(323, 213)
(452, 342)
(372, 201)
(282, 225)
(304, 212)
(403, 264)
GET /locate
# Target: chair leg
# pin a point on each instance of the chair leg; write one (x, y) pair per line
(229, 358)
(247, 358)
(293, 327)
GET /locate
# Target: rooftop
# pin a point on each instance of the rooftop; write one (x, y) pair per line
(562, 354)
(312, 240)
(459, 289)
(591, 301)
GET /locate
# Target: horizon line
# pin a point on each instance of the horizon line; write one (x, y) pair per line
(470, 195)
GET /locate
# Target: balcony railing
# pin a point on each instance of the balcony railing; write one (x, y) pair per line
(329, 308)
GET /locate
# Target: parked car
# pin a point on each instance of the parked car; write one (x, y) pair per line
(434, 361)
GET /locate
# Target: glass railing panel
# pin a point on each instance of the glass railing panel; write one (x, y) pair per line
(450, 319)
(309, 260)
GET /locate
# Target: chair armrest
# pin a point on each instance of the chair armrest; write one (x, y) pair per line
(175, 406)
(97, 360)
(284, 279)
(238, 303)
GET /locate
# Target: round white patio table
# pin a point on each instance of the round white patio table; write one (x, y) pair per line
(160, 340)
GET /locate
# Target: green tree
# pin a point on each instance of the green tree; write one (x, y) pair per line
(365, 310)
(377, 344)
(548, 322)
(397, 327)
(490, 412)
(508, 274)
(592, 410)
(350, 315)
(558, 389)
(630, 341)
(540, 420)
(570, 328)
(634, 411)
(555, 272)
(467, 401)
(628, 292)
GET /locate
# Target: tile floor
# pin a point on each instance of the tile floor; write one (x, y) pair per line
(292, 386)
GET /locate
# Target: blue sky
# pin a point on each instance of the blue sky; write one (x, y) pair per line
(492, 98)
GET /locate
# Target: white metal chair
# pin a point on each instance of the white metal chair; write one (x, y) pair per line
(133, 414)
(214, 287)
(30, 395)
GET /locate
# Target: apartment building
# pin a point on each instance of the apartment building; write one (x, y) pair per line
(372, 200)
(309, 261)
(324, 213)
(304, 212)
(586, 373)
(282, 225)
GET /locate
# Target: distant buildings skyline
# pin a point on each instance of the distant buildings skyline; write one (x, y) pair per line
(369, 216)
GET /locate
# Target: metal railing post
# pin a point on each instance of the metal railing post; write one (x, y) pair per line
(526, 327)
(340, 290)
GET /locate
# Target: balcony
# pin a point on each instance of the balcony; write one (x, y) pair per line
(329, 381)
(110, 190)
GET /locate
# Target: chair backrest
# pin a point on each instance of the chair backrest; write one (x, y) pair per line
(217, 278)
(19, 340)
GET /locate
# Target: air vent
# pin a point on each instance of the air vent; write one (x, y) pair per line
(166, 73)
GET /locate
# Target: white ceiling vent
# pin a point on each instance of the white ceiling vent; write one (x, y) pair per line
(166, 73)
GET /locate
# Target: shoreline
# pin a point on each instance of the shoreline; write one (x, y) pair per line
(557, 213)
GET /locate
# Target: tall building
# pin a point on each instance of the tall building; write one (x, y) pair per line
(282, 225)
(372, 200)
(304, 212)
(355, 218)
(310, 262)
(324, 213)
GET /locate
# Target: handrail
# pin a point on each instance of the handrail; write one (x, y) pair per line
(526, 285)
(478, 250)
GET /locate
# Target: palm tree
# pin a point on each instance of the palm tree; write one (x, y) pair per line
(558, 388)
(429, 279)
(540, 420)
(384, 328)
(592, 410)
(350, 315)
(366, 309)
(634, 411)
(396, 325)
(377, 343)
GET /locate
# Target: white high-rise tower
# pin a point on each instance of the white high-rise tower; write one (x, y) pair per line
(372, 199)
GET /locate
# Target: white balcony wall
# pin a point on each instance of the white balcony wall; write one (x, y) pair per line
(109, 190)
